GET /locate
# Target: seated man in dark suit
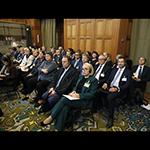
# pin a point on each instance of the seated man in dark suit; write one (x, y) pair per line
(9, 75)
(77, 62)
(57, 57)
(64, 82)
(140, 77)
(82, 96)
(38, 84)
(34, 69)
(116, 87)
(102, 72)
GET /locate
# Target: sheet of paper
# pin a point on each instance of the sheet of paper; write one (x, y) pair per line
(24, 69)
(70, 98)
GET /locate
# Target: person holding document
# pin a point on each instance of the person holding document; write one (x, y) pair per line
(65, 80)
(82, 96)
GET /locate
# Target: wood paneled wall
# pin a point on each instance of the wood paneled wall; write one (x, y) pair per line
(36, 31)
(19, 21)
(111, 35)
(35, 25)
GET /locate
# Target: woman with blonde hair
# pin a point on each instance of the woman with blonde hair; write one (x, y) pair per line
(81, 97)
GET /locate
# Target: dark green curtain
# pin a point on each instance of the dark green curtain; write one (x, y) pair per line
(140, 41)
(48, 31)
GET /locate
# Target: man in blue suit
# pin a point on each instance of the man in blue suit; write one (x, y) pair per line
(102, 72)
(115, 87)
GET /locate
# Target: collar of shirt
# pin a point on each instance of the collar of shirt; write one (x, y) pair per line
(141, 66)
(67, 68)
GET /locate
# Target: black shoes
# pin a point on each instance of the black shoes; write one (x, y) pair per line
(23, 92)
(1, 113)
(37, 105)
(109, 124)
(43, 110)
(43, 124)
(25, 98)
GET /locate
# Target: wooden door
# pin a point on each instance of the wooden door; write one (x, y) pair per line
(86, 34)
(70, 34)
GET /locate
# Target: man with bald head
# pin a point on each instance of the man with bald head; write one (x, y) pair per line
(140, 77)
(102, 72)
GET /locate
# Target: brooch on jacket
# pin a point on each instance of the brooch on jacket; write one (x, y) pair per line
(87, 84)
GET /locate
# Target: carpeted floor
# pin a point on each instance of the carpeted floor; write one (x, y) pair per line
(22, 116)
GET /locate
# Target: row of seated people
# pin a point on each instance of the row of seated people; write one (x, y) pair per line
(61, 81)
(117, 85)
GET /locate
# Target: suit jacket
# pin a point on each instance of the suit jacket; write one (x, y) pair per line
(68, 81)
(110, 63)
(104, 74)
(88, 92)
(123, 84)
(129, 63)
(78, 65)
(38, 62)
(145, 73)
(58, 60)
(52, 68)
(12, 75)
(93, 62)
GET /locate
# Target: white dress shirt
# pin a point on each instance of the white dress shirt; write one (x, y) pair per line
(100, 71)
(136, 74)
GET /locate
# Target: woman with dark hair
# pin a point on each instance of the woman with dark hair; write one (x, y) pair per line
(94, 58)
